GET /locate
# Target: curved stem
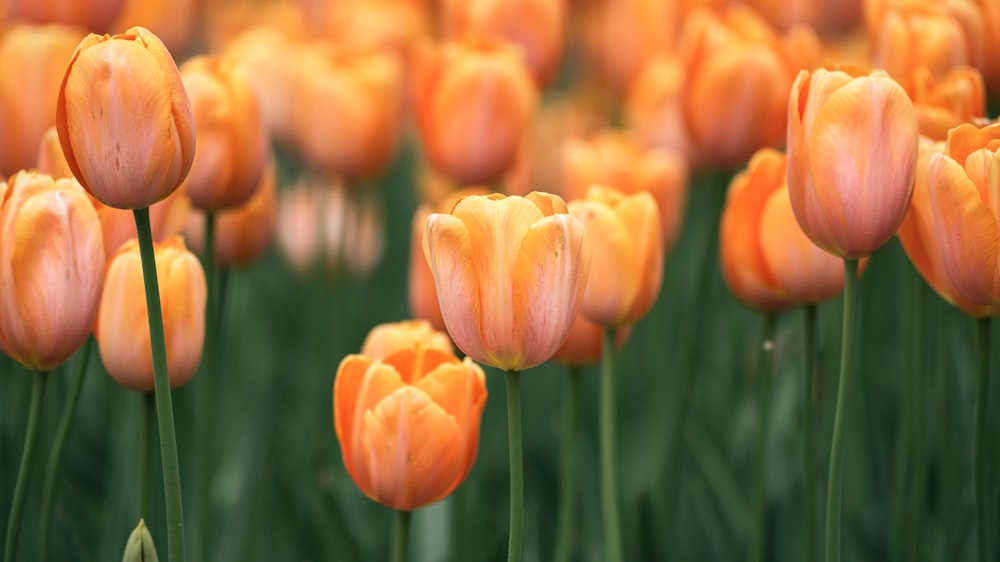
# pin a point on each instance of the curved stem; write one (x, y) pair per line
(400, 535)
(24, 473)
(609, 456)
(835, 482)
(764, 354)
(516, 466)
(808, 449)
(58, 444)
(161, 385)
(979, 440)
(567, 458)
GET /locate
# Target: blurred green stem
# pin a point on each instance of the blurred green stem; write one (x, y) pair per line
(24, 473)
(205, 398)
(918, 482)
(808, 449)
(979, 440)
(516, 466)
(58, 444)
(567, 457)
(400, 535)
(609, 453)
(146, 429)
(759, 544)
(835, 480)
(161, 384)
(903, 452)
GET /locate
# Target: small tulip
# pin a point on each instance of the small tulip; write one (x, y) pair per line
(626, 270)
(852, 153)
(510, 275)
(233, 143)
(408, 424)
(124, 119)
(122, 331)
(768, 263)
(385, 339)
(51, 269)
(140, 547)
(946, 102)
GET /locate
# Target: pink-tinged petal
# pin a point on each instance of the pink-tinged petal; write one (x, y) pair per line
(613, 285)
(966, 231)
(117, 316)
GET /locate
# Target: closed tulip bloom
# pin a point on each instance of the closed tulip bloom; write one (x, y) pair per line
(91, 15)
(51, 269)
(51, 159)
(408, 424)
(585, 343)
(385, 339)
(962, 183)
(121, 330)
(852, 153)
(124, 119)
(510, 275)
(768, 263)
(654, 108)
(233, 143)
(946, 102)
(474, 100)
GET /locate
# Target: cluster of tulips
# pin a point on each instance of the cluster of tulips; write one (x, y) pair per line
(556, 142)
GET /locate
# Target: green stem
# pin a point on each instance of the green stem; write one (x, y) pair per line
(609, 454)
(835, 482)
(58, 445)
(979, 440)
(567, 457)
(161, 385)
(903, 451)
(24, 473)
(400, 535)
(146, 428)
(918, 479)
(205, 402)
(808, 449)
(516, 466)
(764, 354)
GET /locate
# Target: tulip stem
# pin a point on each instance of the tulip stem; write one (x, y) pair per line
(516, 466)
(161, 385)
(567, 458)
(609, 453)
(146, 428)
(400, 535)
(918, 481)
(764, 355)
(38, 381)
(205, 399)
(979, 440)
(835, 482)
(808, 449)
(58, 444)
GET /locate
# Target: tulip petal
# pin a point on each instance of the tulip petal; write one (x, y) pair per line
(641, 217)
(612, 290)
(346, 388)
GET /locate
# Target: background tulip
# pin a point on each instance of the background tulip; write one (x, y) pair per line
(385, 339)
(93, 16)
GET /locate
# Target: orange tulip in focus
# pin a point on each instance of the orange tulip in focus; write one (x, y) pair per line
(385, 339)
(768, 263)
(945, 103)
(51, 269)
(124, 120)
(474, 101)
(91, 15)
(627, 266)
(243, 234)
(32, 64)
(408, 424)
(962, 181)
(121, 330)
(510, 275)
(852, 153)
(233, 143)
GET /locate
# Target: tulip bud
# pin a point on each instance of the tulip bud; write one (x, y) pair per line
(140, 547)
(385, 339)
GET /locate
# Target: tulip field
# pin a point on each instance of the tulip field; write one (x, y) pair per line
(482, 280)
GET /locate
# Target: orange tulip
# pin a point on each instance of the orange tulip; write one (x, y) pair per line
(233, 142)
(474, 101)
(385, 339)
(615, 159)
(510, 275)
(627, 266)
(51, 159)
(121, 330)
(408, 424)
(654, 108)
(391, 26)
(173, 21)
(768, 263)
(946, 102)
(91, 15)
(585, 343)
(124, 120)
(51, 269)
(32, 64)
(243, 234)
(852, 153)
(962, 183)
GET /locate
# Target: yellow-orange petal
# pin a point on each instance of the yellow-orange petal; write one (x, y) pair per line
(614, 285)
(641, 217)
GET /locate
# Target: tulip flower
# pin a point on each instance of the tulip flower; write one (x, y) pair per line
(385, 339)
(946, 102)
(124, 119)
(94, 16)
(173, 21)
(408, 424)
(121, 333)
(852, 152)
(654, 108)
